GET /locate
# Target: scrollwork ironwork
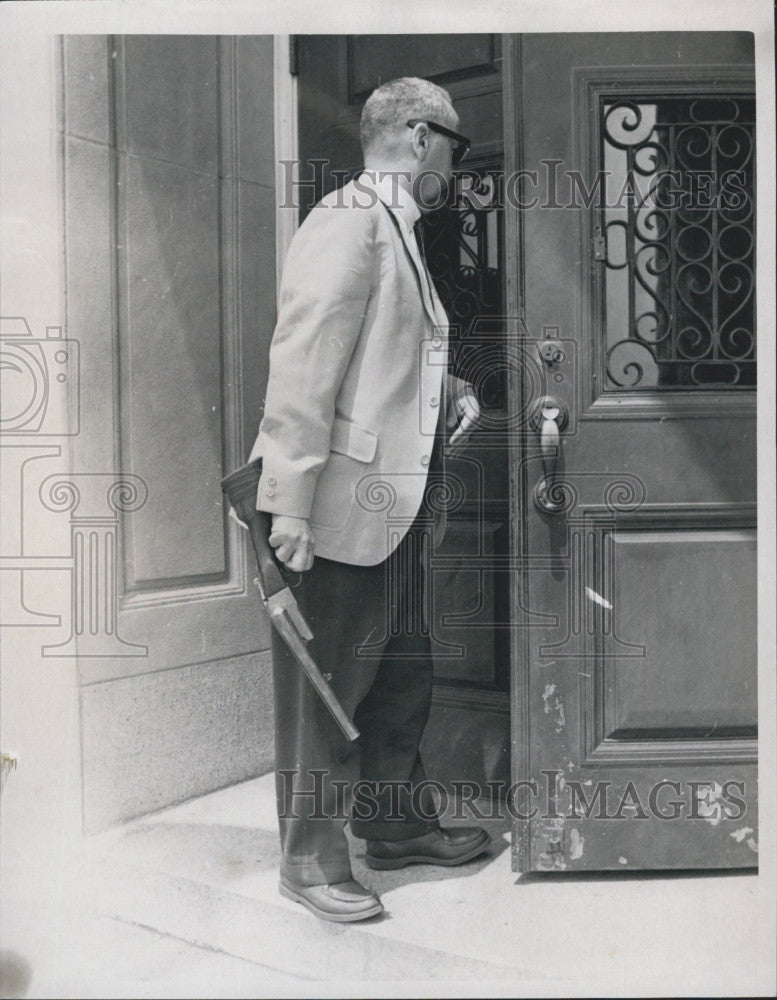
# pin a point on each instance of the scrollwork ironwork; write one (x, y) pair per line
(679, 278)
(464, 254)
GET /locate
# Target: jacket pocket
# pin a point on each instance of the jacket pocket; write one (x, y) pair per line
(353, 440)
(335, 495)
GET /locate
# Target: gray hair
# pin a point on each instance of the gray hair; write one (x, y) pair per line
(393, 103)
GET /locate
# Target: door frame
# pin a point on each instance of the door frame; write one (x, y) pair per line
(286, 140)
(517, 389)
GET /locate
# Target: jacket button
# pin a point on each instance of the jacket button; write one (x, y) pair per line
(436, 342)
(269, 493)
(434, 401)
(272, 481)
(424, 459)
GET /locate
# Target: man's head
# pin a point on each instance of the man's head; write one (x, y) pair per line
(420, 152)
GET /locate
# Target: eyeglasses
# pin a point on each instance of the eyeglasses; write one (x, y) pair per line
(462, 146)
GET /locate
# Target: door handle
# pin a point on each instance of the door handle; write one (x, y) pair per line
(549, 418)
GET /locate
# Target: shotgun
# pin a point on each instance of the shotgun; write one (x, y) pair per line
(240, 488)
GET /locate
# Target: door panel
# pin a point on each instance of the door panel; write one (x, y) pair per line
(170, 275)
(165, 387)
(654, 569)
(636, 698)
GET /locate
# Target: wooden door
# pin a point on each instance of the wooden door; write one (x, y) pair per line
(468, 734)
(169, 195)
(635, 686)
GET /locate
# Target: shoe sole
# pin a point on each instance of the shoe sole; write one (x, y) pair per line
(390, 864)
(339, 918)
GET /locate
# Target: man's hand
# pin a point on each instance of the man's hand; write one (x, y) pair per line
(463, 414)
(293, 542)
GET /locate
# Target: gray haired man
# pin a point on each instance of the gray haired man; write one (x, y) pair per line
(359, 410)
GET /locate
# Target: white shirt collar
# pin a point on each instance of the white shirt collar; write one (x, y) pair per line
(393, 195)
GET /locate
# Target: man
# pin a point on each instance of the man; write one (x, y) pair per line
(356, 409)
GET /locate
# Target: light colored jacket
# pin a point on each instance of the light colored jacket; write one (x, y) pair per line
(358, 375)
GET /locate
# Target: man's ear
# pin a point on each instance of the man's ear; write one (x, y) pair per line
(421, 141)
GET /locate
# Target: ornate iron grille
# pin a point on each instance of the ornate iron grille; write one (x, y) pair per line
(464, 254)
(677, 236)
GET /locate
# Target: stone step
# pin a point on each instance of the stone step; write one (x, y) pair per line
(205, 873)
(267, 930)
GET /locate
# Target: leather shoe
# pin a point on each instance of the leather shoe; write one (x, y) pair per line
(341, 901)
(440, 847)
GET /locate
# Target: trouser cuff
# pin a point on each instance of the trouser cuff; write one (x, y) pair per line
(392, 829)
(314, 871)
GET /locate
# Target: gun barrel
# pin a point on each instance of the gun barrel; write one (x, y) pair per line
(240, 490)
(285, 627)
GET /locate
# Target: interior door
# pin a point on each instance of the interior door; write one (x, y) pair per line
(635, 684)
(467, 738)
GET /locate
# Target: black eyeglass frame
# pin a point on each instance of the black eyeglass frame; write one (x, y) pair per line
(463, 143)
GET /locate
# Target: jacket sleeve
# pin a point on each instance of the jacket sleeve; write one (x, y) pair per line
(326, 286)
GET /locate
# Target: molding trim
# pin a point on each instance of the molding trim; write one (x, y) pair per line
(286, 146)
(599, 748)
(518, 390)
(233, 580)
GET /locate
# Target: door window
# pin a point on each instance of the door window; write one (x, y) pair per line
(676, 235)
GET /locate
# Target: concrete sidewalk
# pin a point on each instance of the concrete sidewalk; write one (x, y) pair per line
(184, 903)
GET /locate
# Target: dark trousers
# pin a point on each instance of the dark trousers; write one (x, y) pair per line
(371, 634)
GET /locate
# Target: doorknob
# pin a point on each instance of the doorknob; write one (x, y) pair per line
(549, 418)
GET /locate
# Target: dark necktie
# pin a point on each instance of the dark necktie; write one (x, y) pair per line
(418, 229)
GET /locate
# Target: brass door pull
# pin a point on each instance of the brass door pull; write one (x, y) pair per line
(549, 419)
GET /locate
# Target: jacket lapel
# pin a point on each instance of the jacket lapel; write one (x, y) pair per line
(415, 256)
(411, 248)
